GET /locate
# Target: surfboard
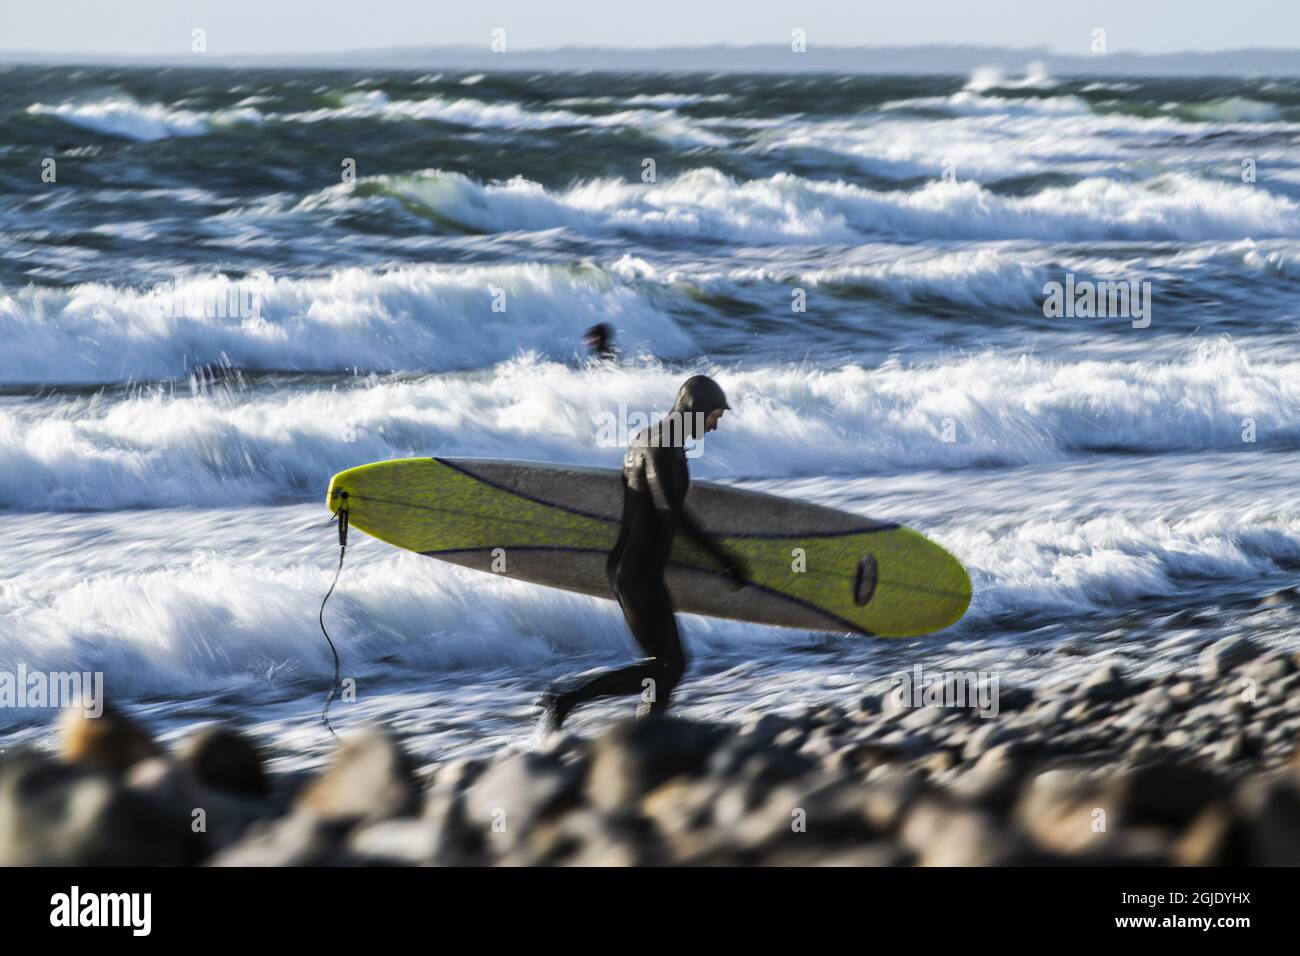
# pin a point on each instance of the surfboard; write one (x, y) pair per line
(812, 567)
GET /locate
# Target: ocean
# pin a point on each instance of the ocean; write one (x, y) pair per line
(203, 321)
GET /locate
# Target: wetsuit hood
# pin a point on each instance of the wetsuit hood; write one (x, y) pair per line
(599, 337)
(700, 394)
(697, 397)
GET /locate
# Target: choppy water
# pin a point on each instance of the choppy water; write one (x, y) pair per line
(162, 472)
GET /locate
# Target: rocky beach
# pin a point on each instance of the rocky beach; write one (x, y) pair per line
(1197, 767)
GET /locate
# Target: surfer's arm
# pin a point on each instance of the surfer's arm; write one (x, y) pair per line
(659, 480)
(669, 499)
(686, 521)
(734, 565)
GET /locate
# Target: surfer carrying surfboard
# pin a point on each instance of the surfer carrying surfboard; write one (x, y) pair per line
(655, 480)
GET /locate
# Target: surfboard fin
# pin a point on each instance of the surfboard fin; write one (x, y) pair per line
(864, 581)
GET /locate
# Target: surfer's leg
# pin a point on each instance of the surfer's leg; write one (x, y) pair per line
(649, 616)
(656, 631)
(618, 682)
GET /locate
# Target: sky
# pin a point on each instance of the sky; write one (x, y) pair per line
(163, 27)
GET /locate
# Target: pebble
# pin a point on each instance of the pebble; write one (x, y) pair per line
(1106, 683)
(1222, 656)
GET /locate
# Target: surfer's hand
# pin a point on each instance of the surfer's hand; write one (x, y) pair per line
(737, 571)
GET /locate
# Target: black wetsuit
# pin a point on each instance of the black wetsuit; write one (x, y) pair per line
(655, 480)
(600, 343)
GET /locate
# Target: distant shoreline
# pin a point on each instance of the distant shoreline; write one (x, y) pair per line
(933, 59)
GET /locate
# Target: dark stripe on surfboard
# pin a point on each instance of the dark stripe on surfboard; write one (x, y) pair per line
(807, 605)
(775, 536)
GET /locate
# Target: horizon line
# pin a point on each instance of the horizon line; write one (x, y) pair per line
(472, 48)
(917, 59)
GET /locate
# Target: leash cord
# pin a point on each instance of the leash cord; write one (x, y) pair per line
(342, 517)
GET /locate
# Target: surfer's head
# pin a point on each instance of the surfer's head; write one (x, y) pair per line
(599, 340)
(700, 404)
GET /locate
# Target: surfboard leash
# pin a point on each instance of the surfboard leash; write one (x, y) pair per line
(341, 516)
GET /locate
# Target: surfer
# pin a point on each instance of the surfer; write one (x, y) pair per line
(599, 340)
(655, 479)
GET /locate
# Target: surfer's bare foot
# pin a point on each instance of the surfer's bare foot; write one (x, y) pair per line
(554, 710)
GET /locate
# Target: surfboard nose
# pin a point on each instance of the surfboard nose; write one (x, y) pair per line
(334, 493)
(340, 485)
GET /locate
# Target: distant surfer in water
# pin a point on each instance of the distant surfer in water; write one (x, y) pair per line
(599, 340)
(655, 479)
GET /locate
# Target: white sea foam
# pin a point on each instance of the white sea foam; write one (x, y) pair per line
(989, 136)
(125, 117)
(130, 119)
(479, 114)
(1035, 77)
(981, 278)
(706, 203)
(178, 602)
(671, 100)
(157, 448)
(416, 318)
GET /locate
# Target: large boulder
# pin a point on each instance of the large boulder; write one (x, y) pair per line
(369, 778)
(404, 842)
(941, 834)
(225, 759)
(1270, 805)
(590, 837)
(516, 792)
(112, 741)
(299, 839)
(1164, 793)
(57, 814)
(634, 757)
